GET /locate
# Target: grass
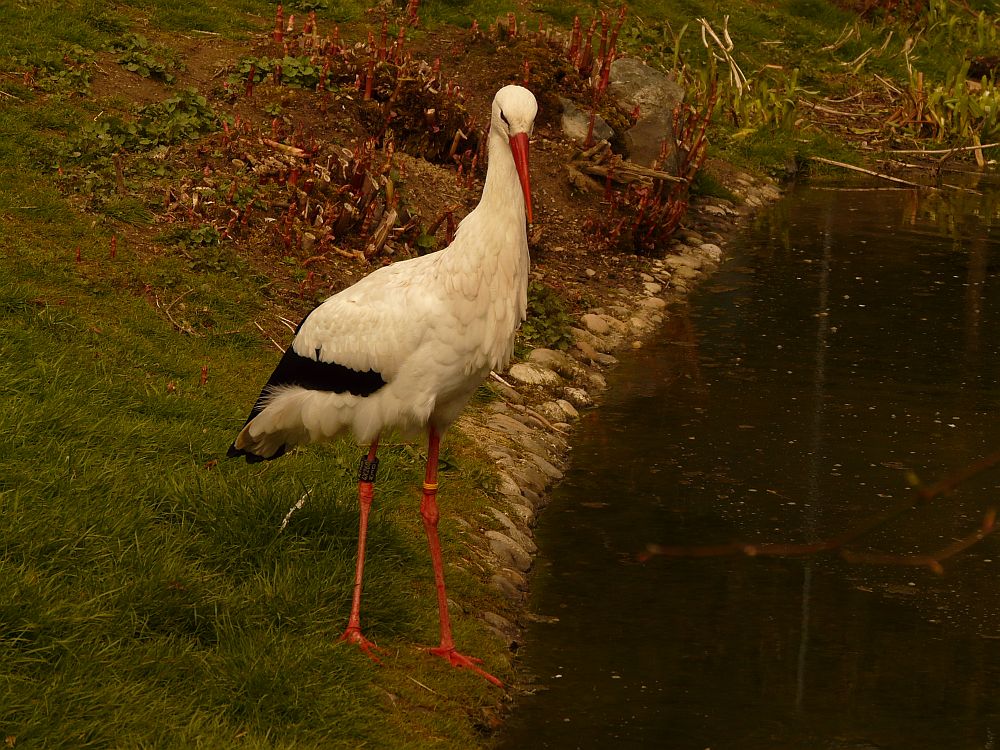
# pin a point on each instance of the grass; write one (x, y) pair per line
(148, 597)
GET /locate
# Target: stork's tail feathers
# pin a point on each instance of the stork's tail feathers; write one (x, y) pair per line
(251, 457)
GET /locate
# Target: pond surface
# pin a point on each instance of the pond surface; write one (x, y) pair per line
(852, 337)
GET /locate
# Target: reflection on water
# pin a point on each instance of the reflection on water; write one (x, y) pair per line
(853, 336)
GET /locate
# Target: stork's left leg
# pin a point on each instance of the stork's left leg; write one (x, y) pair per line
(430, 514)
(366, 481)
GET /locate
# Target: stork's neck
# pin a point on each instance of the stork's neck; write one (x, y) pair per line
(502, 196)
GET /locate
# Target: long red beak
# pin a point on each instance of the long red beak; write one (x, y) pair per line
(519, 147)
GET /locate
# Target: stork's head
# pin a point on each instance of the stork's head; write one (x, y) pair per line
(514, 110)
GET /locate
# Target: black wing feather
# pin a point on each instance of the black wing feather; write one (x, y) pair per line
(314, 375)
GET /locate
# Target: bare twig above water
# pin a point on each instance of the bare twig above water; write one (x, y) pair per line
(838, 544)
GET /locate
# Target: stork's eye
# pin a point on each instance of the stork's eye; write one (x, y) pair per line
(504, 118)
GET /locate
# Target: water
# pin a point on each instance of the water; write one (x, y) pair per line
(852, 337)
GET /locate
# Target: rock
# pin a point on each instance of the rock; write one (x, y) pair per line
(644, 140)
(578, 397)
(530, 444)
(575, 123)
(546, 467)
(506, 424)
(652, 287)
(686, 272)
(523, 509)
(653, 303)
(502, 625)
(529, 477)
(636, 85)
(640, 324)
(561, 362)
(551, 411)
(595, 323)
(533, 374)
(508, 485)
(596, 379)
(568, 409)
(712, 251)
(508, 551)
(506, 587)
(587, 351)
(515, 533)
(590, 272)
(687, 260)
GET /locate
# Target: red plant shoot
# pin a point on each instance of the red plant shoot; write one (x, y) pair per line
(279, 24)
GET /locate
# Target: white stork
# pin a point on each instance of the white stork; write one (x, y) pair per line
(407, 346)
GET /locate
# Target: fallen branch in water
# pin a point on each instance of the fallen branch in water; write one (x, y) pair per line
(871, 173)
(921, 494)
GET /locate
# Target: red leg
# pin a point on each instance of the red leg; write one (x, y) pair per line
(429, 512)
(365, 495)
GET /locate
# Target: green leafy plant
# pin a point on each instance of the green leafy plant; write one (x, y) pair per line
(144, 59)
(65, 73)
(184, 116)
(547, 324)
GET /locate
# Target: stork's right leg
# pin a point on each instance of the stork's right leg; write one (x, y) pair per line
(366, 482)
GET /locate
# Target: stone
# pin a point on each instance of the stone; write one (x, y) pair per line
(687, 260)
(636, 85)
(530, 444)
(530, 476)
(578, 397)
(551, 411)
(546, 467)
(653, 303)
(575, 123)
(597, 324)
(523, 509)
(506, 587)
(596, 379)
(645, 277)
(513, 532)
(590, 272)
(712, 251)
(561, 362)
(508, 485)
(508, 551)
(502, 626)
(536, 500)
(506, 424)
(587, 351)
(644, 141)
(568, 409)
(533, 374)
(652, 287)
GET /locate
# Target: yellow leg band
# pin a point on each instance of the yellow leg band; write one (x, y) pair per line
(430, 486)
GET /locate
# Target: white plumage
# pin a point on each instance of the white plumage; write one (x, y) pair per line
(407, 346)
(432, 327)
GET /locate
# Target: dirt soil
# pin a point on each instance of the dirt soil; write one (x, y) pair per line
(563, 245)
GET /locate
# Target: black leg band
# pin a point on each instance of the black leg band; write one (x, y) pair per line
(367, 469)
